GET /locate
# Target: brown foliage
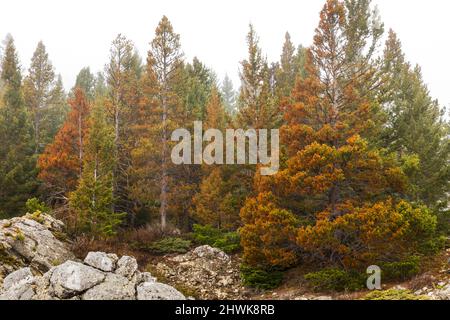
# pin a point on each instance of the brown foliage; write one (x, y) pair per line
(61, 163)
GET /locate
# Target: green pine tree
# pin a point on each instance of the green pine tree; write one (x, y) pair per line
(38, 91)
(257, 107)
(56, 112)
(93, 201)
(228, 95)
(286, 73)
(416, 128)
(86, 81)
(17, 162)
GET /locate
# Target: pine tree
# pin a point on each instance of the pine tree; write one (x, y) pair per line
(100, 89)
(256, 103)
(86, 81)
(258, 109)
(93, 200)
(216, 116)
(160, 110)
(268, 234)
(300, 62)
(286, 73)
(57, 110)
(17, 163)
(229, 96)
(193, 84)
(38, 94)
(166, 54)
(416, 129)
(146, 155)
(119, 74)
(61, 163)
(122, 75)
(363, 30)
(215, 204)
(334, 180)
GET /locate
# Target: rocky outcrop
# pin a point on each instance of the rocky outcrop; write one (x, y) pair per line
(102, 261)
(208, 272)
(37, 264)
(101, 277)
(35, 241)
(157, 291)
(441, 291)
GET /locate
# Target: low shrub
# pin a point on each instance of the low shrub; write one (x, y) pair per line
(434, 245)
(402, 270)
(228, 242)
(370, 233)
(393, 294)
(167, 246)
(34, 205)
(336, 280)
(260, 278)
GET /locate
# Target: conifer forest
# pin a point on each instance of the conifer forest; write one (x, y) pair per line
(362, 178)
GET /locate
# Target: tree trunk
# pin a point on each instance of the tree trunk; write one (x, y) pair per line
(164, 180)
(36, 130)
(80, 142)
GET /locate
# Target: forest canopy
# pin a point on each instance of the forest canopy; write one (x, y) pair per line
(364, 165)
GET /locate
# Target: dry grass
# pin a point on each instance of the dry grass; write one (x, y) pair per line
(127, 242)
(145, 234)
(82, 245)
(422, 280)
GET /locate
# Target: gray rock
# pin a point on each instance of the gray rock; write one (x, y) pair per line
(145, 277)
(17, 277)
(115, 287)
(30, 241)
(158, 291)
(101, 277)
(18, 286)
(20, 292)
(208, 271)
(210, 252)
(102, 261)
(127, 267)
(72, 278)
(444, 294)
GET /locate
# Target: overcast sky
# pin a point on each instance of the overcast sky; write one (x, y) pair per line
(78, 33)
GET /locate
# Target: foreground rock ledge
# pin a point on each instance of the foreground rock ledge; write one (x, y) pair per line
(101, 277)
(34, 240)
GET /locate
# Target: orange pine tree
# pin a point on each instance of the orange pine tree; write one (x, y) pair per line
(268, 234)
(61, 163)
(152, 173)
(334, 181)
(220, 197)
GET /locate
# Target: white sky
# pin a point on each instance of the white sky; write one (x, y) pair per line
(78, 33)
